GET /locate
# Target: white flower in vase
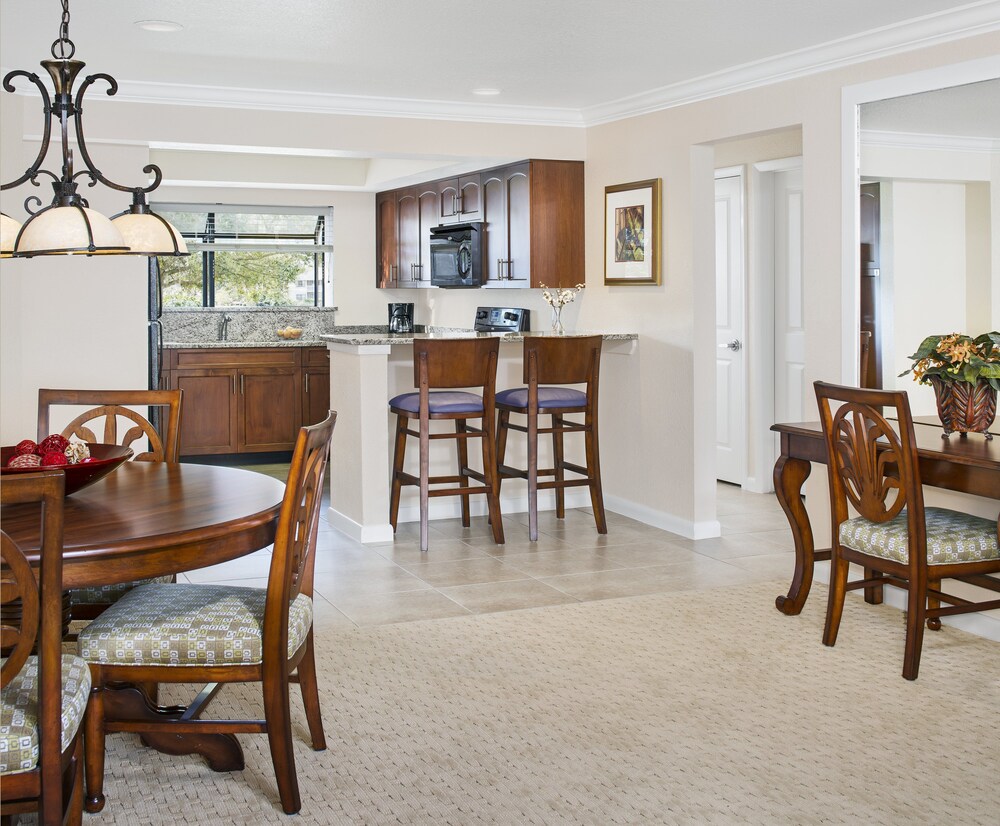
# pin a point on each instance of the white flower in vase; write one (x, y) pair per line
(557, 299)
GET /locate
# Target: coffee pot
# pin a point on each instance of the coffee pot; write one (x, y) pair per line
(400, 318)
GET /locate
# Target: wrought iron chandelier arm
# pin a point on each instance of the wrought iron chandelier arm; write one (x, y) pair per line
(33, 170)
(92, 170)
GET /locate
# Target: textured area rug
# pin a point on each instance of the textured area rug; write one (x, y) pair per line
(692, 708)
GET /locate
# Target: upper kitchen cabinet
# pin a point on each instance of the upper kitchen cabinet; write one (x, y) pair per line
(459, 199)
(387, 246)
(533, 216)
(404, 218)
(534, 224)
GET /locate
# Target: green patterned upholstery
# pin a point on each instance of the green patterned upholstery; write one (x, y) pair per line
(19, 712)
(106, 594)
(951, 537)
(179, 625)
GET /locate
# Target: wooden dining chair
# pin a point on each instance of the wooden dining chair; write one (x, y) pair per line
(445, 372)
(113, 406)
(182, 633)
(548, 363)
(873, 468)
(43, 696)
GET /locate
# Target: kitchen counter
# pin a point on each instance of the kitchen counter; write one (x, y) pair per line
(367, 368)
(232, 345)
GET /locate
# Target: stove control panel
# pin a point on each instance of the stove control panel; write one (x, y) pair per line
(502, 319)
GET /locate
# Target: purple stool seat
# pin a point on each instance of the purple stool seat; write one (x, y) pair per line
(439, 401)
(547, 397)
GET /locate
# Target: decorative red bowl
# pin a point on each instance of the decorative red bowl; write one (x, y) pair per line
(107, 458)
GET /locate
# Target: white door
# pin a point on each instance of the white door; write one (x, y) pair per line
(730, 313)
(789, 329)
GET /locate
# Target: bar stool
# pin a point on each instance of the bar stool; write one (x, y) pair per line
(439, 367)
(555, 360)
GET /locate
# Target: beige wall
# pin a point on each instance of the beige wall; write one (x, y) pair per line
(658, 406)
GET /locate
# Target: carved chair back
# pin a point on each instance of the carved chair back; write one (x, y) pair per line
(112, 407)
(294, 556)
(439, 363)
(563, 360)
(872, 464)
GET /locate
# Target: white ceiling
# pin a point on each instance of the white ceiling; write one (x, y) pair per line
(569, 61)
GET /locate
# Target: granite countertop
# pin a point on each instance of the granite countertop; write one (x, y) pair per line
(360, 339)
(374, 334)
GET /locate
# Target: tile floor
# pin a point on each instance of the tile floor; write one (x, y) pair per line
(465, 573)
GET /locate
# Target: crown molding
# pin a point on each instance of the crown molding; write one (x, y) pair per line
(913, 140)
(942, 27)
(932, 29)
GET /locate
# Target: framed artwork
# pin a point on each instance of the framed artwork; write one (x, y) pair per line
(632, 233)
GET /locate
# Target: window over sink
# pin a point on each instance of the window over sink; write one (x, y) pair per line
(249, 256)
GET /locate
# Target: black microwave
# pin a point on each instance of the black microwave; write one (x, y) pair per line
(457, 255)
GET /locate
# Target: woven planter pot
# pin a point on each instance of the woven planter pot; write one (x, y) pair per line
(963, 407)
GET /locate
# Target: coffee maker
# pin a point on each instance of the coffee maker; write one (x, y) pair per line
(400, 318)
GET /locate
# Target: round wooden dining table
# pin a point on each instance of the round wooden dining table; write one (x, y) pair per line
(151, 518)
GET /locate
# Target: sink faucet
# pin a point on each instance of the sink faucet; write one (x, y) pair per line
(224, 327)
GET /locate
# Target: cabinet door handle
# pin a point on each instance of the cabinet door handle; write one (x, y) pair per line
(510, 269)
(307, 382)
(499, 273)
(234, 384)
(242, 388)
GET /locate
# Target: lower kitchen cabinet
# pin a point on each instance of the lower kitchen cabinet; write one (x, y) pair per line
(248, 400)
(315, 384)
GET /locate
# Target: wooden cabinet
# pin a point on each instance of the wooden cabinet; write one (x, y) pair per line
(533, 215)
(387, 244)
(459, 200)
(248, 400)
(315, 384)
(403, 221)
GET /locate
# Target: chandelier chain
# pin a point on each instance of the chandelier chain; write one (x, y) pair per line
(59, 48)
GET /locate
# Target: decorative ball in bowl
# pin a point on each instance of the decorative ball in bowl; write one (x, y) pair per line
(103, 459)
(290, 332)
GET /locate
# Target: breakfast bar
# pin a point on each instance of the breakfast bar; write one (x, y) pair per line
(366, 370)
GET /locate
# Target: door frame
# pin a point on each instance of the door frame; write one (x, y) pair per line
(852, 97)
(762, 444)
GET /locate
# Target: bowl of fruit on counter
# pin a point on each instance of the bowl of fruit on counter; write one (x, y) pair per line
(83, 462)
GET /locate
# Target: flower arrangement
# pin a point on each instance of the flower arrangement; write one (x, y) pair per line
(958, 358)
(558, 299)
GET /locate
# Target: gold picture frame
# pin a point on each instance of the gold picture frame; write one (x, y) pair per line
(632, 233)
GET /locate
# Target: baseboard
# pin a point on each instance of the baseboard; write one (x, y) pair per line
(664, 521)
(367, 534)
(451, 508)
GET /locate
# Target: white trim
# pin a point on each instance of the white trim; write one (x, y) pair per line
(913, 140)
(852, 97)
(259, 185)
(729, 172)
(367, 534)
(663, 520)
(940, 27)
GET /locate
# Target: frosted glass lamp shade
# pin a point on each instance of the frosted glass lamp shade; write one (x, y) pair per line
(9, 229)
(146, 233)
(69, 230)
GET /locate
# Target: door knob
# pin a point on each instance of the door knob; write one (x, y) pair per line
(733, 345)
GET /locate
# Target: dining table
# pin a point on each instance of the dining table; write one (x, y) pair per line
(967, 463)
(150, 519)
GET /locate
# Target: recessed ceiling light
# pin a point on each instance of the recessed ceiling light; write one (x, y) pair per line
(158, 25)
(486, 91)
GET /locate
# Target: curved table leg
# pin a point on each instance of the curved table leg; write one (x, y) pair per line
(789, 476)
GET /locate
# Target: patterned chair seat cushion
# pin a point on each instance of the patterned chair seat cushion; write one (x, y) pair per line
(440, 401)
(180, 625)
(19, 712)
(106, 594)
(547, 397)
(951, 537)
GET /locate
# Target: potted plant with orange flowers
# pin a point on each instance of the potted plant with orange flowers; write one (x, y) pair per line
(965, 375)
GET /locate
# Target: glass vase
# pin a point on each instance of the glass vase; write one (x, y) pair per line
(557, 325)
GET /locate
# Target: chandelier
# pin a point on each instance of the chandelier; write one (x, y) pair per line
(68, 226)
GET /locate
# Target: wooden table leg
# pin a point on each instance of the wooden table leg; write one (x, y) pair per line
(789, 476)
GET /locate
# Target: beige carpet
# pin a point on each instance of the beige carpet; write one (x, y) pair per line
(695, 708)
